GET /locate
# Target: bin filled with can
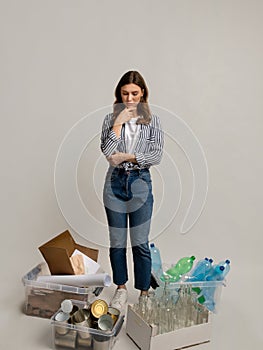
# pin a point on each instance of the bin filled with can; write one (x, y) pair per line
(78, 325)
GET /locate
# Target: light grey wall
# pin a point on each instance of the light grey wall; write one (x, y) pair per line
(202, 60)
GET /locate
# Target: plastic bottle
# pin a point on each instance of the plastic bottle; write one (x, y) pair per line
(183, 266)
(156, 260)
(226, 265)
(217, 273)
(200, 271)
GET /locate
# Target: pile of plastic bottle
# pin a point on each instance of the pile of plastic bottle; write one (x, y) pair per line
(185, 271)
(186, 292)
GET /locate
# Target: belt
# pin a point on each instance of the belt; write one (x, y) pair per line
(131, 169)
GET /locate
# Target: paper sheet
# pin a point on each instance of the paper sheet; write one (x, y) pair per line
(90, 265)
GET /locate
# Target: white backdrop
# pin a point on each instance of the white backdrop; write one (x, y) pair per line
(202, 60)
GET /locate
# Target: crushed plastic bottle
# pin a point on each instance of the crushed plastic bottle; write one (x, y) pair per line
(176, 272)
(200, 271)
(207, 294)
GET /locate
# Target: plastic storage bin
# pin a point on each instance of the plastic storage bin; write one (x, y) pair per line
(195, 331)
(207, 293)
(70, 336)
(44, 299)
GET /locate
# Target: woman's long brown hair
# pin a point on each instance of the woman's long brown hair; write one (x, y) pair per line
(143, 110)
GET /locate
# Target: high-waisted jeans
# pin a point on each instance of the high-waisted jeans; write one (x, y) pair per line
(128, 202)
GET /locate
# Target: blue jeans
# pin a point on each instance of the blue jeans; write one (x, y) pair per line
(128, 202)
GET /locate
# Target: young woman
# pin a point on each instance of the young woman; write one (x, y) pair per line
(132, 141)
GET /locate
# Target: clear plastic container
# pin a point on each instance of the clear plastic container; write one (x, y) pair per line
(206, 293)
(43, 299)
(71, 336)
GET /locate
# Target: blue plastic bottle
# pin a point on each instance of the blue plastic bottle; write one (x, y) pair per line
(226, 265)
(218, 273)
(156, 260)
(201, 270)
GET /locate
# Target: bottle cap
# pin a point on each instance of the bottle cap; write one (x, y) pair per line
(152, 245)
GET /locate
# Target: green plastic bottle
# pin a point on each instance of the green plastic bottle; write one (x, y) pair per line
(183, 266)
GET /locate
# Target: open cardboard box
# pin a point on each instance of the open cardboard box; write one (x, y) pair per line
(146, 338)
(57, 253)
(44, 299)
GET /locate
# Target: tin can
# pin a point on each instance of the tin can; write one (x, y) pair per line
(84, 340)
(98, 308)
(61, 324)
(79, 318)
(66, 306)
(114, 313)
(105, 322)
(87, 315)
(101, 342)
(74, 309)
(68, 340)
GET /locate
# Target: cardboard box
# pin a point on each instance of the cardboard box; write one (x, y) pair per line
(43, 299)
(144, 335)
(57, 253)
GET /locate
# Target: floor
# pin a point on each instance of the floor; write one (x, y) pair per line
(237, 326)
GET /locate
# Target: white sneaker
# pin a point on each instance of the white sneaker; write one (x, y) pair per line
(119, 299)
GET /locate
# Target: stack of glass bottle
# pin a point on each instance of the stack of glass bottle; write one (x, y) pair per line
(172, 309)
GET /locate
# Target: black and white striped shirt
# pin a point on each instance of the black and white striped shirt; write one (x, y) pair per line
(149, 146)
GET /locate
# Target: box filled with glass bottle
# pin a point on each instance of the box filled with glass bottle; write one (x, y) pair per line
(176, 316)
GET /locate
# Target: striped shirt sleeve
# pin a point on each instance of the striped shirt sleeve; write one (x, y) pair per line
(109, 140)
(154, 146)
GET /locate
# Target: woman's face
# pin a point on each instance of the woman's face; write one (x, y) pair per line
(131, 94)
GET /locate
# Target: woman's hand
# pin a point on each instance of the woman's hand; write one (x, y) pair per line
(118, 158)
(123, 117)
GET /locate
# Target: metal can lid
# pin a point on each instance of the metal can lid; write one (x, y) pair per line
(99, 307)
(67, 306)
(105, 322)
(61, 316)
(113, 311)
